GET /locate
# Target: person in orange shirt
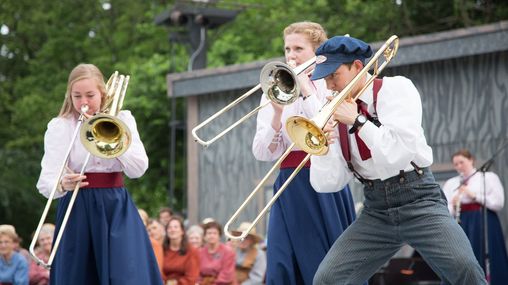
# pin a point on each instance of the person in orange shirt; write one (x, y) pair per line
(156, 246)
(181, 260)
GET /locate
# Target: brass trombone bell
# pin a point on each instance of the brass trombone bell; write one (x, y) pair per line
(308, 134)
(105, 136)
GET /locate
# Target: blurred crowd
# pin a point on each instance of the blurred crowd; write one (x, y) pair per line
(186, 254)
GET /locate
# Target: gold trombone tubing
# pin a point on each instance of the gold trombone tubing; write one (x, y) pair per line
(309, 136)
(271, 87)
(263, 212)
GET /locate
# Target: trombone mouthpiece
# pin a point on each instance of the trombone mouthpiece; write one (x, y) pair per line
(84, 109)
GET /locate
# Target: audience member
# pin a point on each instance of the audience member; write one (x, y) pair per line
(250, 259)
(156, 246)
(39, 275)
(156, 230)
(165, 215)
(19, 249)
(217, 261)
(181, 260)
(144, 216)
(13, 266)
(195, 236)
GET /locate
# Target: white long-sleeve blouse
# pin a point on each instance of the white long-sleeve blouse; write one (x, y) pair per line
(58, 136)
(494, 191)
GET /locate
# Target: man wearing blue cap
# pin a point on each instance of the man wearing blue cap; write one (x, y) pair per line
(385, 148)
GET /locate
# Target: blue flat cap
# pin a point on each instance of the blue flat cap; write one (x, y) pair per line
(336, 51)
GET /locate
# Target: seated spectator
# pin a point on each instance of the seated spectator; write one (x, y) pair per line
(39, 275)
(164, 216)
(195, 236)
(217, 260)
(250, 260)
(144, 216)
(181, 260)
(13, 266)
(156, 230)
(156, 246)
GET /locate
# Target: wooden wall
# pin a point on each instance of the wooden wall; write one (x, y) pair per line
(464, 100)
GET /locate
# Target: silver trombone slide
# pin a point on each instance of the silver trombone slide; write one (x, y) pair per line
(39, 261)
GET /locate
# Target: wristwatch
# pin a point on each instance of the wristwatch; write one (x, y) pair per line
(359, 121)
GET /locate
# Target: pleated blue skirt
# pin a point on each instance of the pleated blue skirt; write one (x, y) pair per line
(472, 223)
(303, 225)
(104, 242)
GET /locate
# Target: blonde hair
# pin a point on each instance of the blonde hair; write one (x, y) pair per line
(80, 72)
(144, 216)
(195, 229)
(48, 228)
(314, 32)
(9, 231)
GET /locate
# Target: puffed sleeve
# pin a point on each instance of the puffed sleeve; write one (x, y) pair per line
(265, 134)
(134, 161)
(494, 192)
(329, 173)
(313, 103)
(56, 141)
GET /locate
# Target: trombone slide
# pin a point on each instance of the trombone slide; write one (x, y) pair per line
(279, 83)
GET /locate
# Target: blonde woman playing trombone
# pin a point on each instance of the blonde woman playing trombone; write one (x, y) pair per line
(105, 241)
(303, 224)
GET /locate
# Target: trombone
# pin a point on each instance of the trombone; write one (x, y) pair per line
(277, 80)
(308, 134)
(102, 135)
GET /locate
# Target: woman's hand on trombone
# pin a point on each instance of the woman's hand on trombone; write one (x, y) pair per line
(70, 179)
(306, 86)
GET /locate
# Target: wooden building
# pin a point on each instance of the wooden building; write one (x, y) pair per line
(462, 76)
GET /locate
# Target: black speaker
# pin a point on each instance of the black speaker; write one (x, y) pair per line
(405, 271)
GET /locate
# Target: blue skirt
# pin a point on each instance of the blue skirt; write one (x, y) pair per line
(302, 227)
(104, 242)
(472, 223)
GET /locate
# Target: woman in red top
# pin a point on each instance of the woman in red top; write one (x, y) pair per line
(181, 261)
(217, 260)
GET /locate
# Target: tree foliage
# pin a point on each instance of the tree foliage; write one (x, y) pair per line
(41, 41)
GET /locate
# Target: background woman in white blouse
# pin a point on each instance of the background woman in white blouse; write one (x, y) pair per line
(105, 241)
(303, 224)
(465, 195)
